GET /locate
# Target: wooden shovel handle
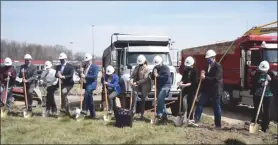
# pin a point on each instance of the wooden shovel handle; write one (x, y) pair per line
(25, 92)
(195, 98)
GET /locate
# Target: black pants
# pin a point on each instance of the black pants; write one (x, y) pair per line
(187, 101)
(30, 88)
(264, 111)
(65, 102)
(50, 101)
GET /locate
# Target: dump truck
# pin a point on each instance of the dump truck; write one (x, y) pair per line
(122, 54)
(239, 59)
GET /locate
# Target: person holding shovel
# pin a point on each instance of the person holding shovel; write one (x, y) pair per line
(64, 72)
(212, 88)
(8, 73)
(30, 75)
(161, 72)
(111, 81)
(89, 74)
(261, 79)
(188, 84)
(141, 82)
(49, 80)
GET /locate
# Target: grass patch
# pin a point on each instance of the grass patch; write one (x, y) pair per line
(38, 130)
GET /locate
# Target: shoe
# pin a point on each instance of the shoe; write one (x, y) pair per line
(110, 112)
(217, 128)
(194, 123)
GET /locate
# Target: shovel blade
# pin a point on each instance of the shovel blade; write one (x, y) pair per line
(179, 121)
(106, 118)
(253, 128)
(3, 113)
(26, 114)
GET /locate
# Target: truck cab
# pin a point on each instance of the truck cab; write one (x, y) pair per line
(122, 55)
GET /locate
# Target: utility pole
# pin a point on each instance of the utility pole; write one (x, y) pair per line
(93, 38)
(71, 48)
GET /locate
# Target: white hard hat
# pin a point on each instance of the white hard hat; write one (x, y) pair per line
(189, 61)
(110, 70)
(264, 66)
(88, 57)
(210, 53)
(63, 56)
(47, 64)
(141, 59)
(27, 56)
(8, 61)
(157, 60)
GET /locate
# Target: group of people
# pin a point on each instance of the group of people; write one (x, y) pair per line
(140, 81)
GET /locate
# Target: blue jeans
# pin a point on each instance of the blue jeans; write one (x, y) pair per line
(216, 108)
(161, 108)
(9, 97)
(89, 101)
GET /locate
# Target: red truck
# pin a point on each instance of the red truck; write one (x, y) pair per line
(238, 64)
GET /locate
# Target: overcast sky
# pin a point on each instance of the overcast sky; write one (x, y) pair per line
(188, 23)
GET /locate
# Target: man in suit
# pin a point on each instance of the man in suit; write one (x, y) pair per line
(212, 88)
(64, 72)
(89, 74)
(30, 76)
(141, 82)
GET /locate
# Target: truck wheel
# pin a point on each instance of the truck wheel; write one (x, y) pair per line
(225, 99)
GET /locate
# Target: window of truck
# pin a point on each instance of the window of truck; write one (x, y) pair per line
(132, 57)
(255, 58)
(270, 55)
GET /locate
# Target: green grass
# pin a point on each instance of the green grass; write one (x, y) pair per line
(38, 130)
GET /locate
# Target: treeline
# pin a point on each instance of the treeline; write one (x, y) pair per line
(17, 50)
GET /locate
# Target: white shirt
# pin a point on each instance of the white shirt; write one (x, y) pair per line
(63, 66)
(209, 67)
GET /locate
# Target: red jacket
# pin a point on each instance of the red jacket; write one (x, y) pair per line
(4, 74)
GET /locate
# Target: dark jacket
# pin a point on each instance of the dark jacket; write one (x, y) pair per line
(114, 84)
(213, 83)
(257, 85)
(30, 73)
(67, 72)
(91, 77)
(190, 76)
(4, 74)
(164, 78)
(141, 75)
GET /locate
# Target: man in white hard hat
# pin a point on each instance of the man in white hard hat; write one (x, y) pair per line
(188, 84)
(30, 72)
(164, 81)
(49, 80)
(212, 88)
(65, 71)
(8, 72)
(111, 81)
(89, 74)
(141, 82)
(263, 77)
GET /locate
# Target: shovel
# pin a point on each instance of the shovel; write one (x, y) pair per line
(4, 111)
(153, 120)
(193, 104)
(25, 113)
(180, 118)
(78, 114)
(106, 117)
(253, 128)
(60, 116)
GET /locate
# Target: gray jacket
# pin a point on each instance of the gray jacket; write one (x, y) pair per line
(141, 76)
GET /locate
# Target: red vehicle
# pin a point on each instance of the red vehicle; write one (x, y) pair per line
(238, 64)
